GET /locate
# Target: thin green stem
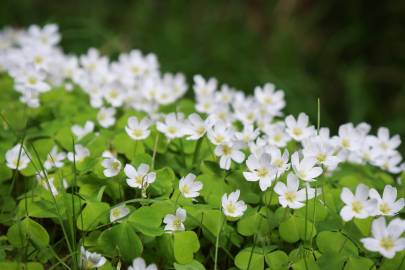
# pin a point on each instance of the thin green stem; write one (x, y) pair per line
(217, 244)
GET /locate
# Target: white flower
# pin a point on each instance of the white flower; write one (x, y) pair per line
(272, 100)
(231, 206)
(278, 161)
(188, 187)
(383, 144)
(277, 135)
(79, 154)
(305, 169)
(138, 130)
(356, 205)
(386, 205)
(139, 264)
(204, 87)
(229, 152)
(349, 138)
(173, 126)
(32, 79)
(118, 212)
(90, 260)
(389, 163)
(299, 129)
(248, 134)
(220, 133)
(386, 240)
(47, 183)
(175, 222)
(80, 132)
(290, 196)
(106, 117)
(196, 127)
(139, 178)
(260, 169)
(54, 159)
(112, 167)
(17, 158)
(323, 152)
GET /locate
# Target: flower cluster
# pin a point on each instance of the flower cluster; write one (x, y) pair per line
(287, 156)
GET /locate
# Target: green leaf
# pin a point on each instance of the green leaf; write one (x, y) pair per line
(194, 265)
(20, 265)
(93, 214)
(277, 260)
(146, 221)
(331, 260)
(364, 225)
(213, 188)
(123, 144)
(249, 224)
(341, 244)
(120, 240)
(256, 259)
(355, 263)
(212, 220)
(164, 182)
(396, 263)
(25, 230)
(185, 245)
(293, 229)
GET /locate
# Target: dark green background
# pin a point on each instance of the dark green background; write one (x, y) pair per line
(351, 54)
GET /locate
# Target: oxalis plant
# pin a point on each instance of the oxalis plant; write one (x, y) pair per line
(104, 165)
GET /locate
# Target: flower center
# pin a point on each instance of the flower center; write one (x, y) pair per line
(387, 243)
(357, 207)
(226, 150)
(137, 132)
(115, 165)
(172, 130)
(32, 80)
(297, 131)
(185, 189)
(116, 212)
(230, 208)
(345, 143)
(262, 172)
(290, 196)
(277, 137)
(384, 208)
(201, 130)
(321, 157)
(177, 223)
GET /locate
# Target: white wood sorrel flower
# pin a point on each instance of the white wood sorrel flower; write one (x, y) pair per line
(189, 187)
(231, 206)
(305, 169)
(17, 158)
(79, 154)
(387, 204)
(80, 132)
(175, 222)
(54, 159)
(386, 240)
(118, 212)
(228, 152)
(140, 264)
(139, 178)
(260, 169)
(90, 260)
(138, 130)
(357, 205)
(292, 197)
(112, 167)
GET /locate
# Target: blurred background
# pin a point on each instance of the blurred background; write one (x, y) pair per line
(350, 54)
